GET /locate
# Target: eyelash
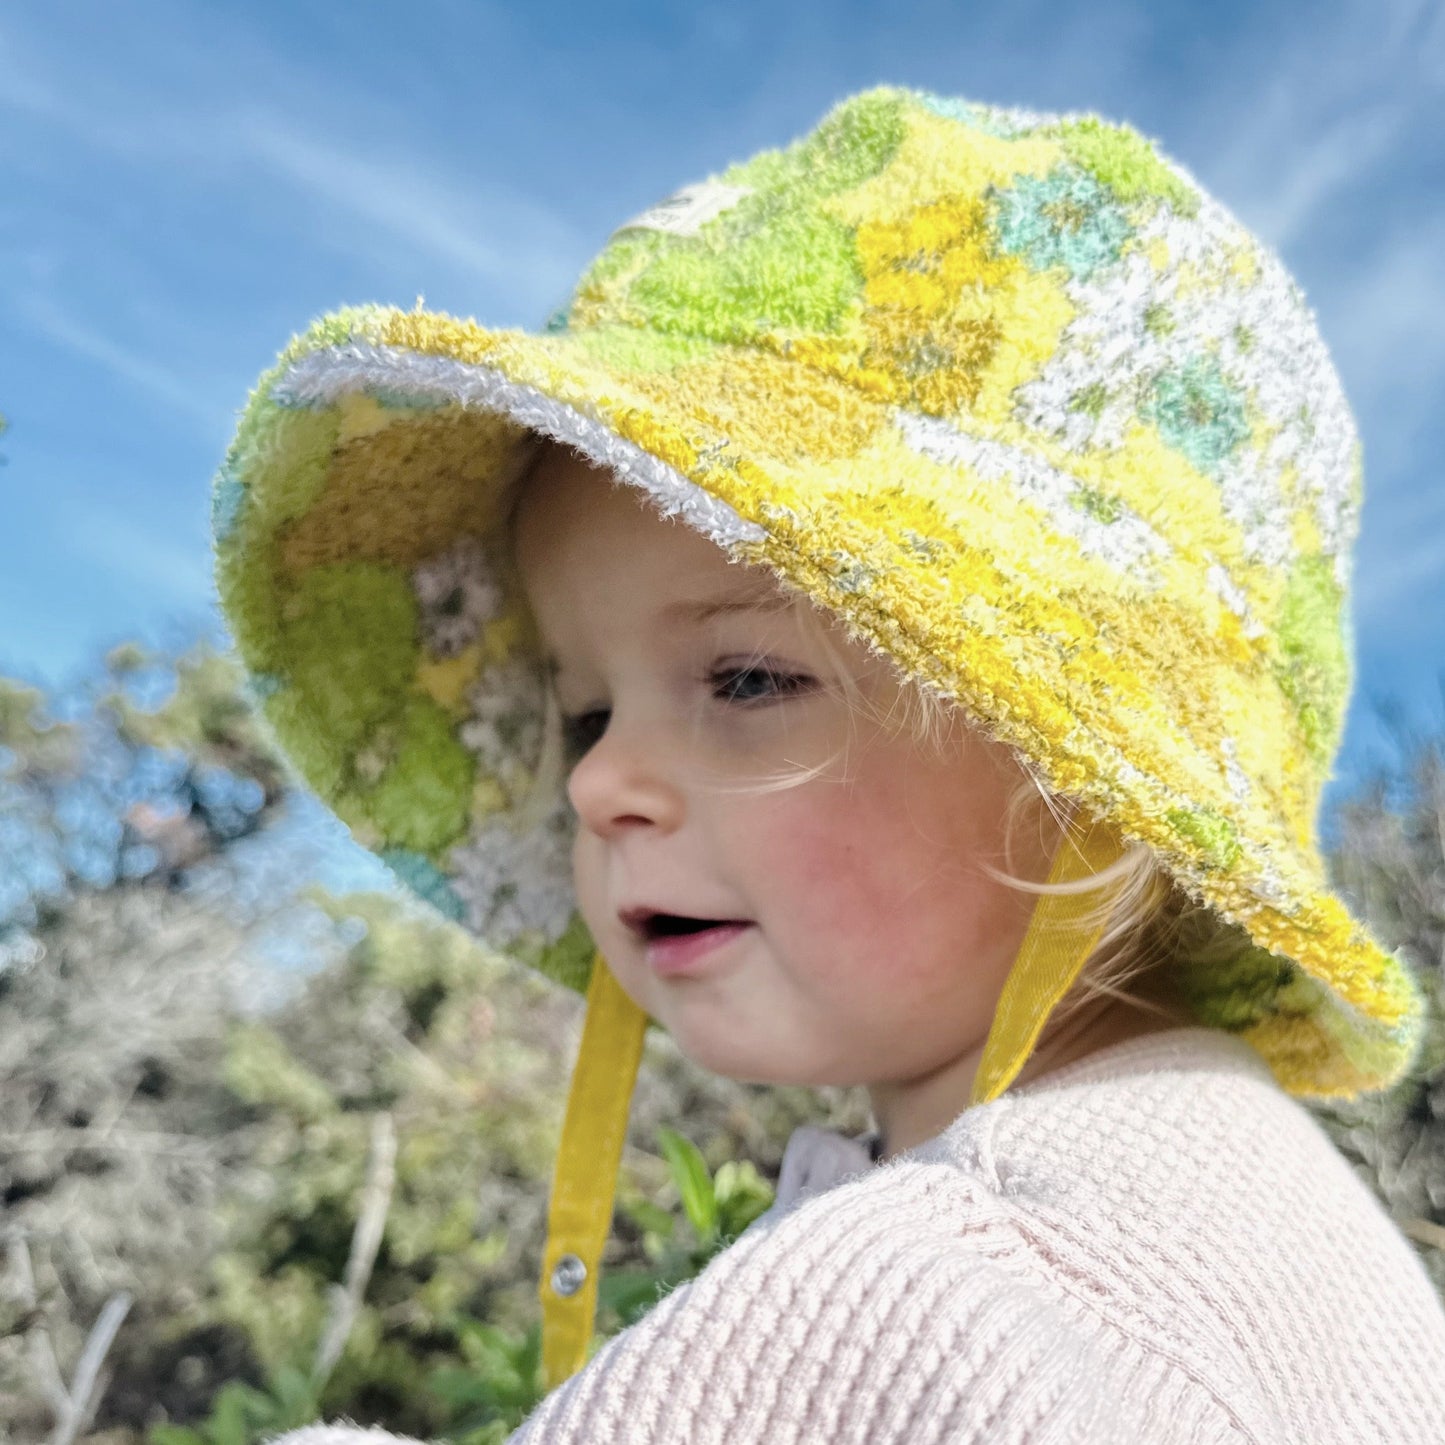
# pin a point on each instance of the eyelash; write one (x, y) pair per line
(584, 730)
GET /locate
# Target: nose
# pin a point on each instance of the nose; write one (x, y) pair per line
(626, 781)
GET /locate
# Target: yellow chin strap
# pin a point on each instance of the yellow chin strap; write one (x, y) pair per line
(585, 1180)
(1055, 948)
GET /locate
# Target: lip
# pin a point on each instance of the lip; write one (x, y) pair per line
(683, 955)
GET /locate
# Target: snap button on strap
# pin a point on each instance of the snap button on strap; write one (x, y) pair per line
(584, 1183)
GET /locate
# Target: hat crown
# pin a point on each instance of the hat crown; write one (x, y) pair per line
(896, 248)
(1008, 393)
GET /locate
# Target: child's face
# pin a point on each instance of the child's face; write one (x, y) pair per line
(861, 944)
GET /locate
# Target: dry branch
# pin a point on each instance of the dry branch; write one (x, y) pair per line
(365, 1241)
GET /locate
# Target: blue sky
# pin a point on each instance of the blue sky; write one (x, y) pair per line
(185, 184)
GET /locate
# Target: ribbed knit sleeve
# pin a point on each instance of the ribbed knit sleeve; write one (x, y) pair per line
(910, 1313)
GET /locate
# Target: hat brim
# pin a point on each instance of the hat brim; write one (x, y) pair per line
(383, 437)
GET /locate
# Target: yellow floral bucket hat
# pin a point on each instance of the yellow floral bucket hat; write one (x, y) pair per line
(1009, 395)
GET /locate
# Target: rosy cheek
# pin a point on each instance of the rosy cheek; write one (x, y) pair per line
(830, 874)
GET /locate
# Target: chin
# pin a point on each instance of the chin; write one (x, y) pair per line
(743, 1066)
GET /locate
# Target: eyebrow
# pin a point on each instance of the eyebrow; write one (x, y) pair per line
(765, 598)
(703, 609)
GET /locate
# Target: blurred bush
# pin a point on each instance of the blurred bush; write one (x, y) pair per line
(117, 1137)
(1390, 864)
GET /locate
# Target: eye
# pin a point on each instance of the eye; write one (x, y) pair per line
(582, 732)
(756, 682)
(747, 684)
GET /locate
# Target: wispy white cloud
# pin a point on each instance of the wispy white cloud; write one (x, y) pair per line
(170, 569)
(1401, 556)
(39, 84)
(1292, 127)
(281, 131)
(1391, 322)
(1388, 594)
(130, 366)
(1308, 136)
(1432, 46)
(1339, 155)
(1385, 330)
(497, 237)
(23, 87)
(1394, 588)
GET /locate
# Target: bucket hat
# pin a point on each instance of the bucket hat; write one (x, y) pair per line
(1009, 395)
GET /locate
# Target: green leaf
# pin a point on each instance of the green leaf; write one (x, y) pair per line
(483, 1347)
(174, 1435)
(742, 1195)
(293, 1397)
(529, 1357)
(460, 1388)
(649, 1216)
(694, 1181)
(631, 1292)
(238, 1415)
(494, 1433)
(502, 1375)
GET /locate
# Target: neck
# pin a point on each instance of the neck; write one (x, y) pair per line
(912, 1111)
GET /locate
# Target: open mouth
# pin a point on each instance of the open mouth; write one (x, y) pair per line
(676, 925)
(681, 944)
(679, 947)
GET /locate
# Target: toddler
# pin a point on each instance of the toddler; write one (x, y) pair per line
(892, 629)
